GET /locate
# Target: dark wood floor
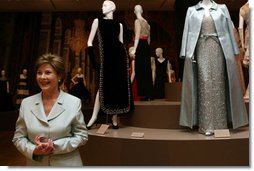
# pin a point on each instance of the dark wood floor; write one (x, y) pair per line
(10, 156)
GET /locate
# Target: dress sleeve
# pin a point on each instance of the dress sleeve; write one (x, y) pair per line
(185, 35)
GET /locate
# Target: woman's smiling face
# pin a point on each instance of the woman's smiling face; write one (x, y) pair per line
(47, 78)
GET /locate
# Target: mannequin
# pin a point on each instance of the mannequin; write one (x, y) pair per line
(22, 89)
(244, 17)
(211, 92)
(111, 98)
(5, 99)
(171, 74)
(4, 78)
(141, 51)
(133, 78)
(153, 67)
(239, 59)
(132, 65)
(79, 89)
(162, 74)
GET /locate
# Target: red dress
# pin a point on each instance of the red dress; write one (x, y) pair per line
(134, 87)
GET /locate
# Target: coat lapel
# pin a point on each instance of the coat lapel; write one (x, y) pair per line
(38, 110)
(58, 108)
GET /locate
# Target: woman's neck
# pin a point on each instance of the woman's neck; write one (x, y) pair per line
(50, 95)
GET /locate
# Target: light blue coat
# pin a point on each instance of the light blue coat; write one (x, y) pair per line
(237, 109)
(64, 125)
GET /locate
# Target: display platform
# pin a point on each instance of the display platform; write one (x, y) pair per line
(173, 91)
(154, 114)
(160, 114)
(165, 147)
(165, 143)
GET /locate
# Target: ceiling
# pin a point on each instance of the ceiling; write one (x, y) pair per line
(95, 5)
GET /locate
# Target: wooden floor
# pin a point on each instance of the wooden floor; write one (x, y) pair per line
(10, 156)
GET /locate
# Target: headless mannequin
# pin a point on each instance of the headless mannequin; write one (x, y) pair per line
(244, 46)
(138, 12)
(108, 9)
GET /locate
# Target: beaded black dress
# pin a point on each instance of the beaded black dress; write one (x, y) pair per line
(22, 90)
(114, 79)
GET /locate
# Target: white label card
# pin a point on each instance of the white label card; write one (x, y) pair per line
(221, 133)
(138, 134)
(103, 128)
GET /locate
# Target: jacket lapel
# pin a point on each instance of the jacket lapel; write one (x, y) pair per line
(38, 110)
(58, 108)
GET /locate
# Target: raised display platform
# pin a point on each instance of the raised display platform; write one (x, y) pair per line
(165, 142)
(154, 114)
(159, 114)
(173, 91)
(165, 147)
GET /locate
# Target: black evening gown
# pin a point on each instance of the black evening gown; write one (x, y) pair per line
(114, 79)
(5, 98)
(160, 79)
(143, 69)
(79, 90)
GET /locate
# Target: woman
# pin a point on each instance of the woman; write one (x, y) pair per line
(211, 92)
(51, 115)
(114, 96)
(141, 51)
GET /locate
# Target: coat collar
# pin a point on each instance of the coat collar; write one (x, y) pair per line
(199, 7)
(56, 110)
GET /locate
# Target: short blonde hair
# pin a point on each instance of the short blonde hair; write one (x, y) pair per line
(55, 61)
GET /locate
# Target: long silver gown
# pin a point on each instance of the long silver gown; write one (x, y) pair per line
(212, 79)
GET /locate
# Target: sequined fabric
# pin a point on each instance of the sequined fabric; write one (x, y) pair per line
(212, 111)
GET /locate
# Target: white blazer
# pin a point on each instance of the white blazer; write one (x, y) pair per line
(64, 125)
